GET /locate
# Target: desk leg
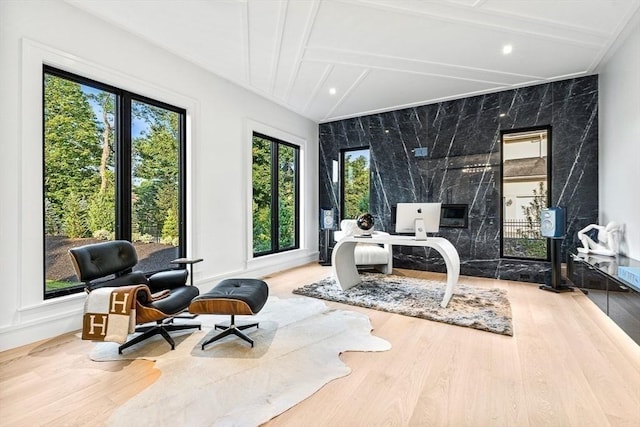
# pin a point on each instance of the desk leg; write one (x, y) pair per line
(452, 261)
(344, 265)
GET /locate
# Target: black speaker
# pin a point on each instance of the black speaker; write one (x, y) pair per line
(553, 222)
(327, 221)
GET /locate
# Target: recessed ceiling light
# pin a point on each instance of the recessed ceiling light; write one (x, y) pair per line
(507, 49)
(332, 91)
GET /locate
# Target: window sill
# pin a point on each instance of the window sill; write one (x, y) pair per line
(282, 260)
(54, 302)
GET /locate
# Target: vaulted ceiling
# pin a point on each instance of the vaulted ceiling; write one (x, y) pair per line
(334, 59)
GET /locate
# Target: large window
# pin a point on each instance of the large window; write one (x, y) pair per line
(113, 169)
(355, 182)
(275, 209)
(525, 183)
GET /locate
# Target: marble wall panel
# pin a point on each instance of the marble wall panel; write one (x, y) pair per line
(463, 166)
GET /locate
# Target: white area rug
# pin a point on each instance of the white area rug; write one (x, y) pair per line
(231, 384)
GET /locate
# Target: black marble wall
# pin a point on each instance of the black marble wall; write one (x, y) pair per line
(466, 132)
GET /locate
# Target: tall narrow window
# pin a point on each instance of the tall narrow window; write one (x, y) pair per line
(113, 169)
(155, 181)
(355, 182)
(525, 183)
(275, 209)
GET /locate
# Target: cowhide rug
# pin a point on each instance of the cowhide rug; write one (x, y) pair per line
(231, 384)
(470, 306)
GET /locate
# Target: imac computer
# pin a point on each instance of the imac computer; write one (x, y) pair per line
(418, 218)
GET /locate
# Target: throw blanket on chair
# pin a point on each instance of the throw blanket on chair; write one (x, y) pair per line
(110, 313)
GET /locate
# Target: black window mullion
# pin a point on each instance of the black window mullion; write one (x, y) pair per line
(341, 187)
(296, 193)
(275, 209)
(182, 186)
(123, 170)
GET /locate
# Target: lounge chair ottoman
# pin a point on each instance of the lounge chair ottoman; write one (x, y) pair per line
(232, 297)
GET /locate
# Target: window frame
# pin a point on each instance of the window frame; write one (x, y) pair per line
(343, 152)
(503, 132)
(275, 241)
(123, 165)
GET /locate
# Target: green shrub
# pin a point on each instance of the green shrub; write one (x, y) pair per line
(74, 217)
(101, 212)
(142, 238)
(52, 223)
(170, 226)
(103, 235)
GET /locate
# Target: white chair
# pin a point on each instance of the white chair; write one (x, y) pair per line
(366, 254)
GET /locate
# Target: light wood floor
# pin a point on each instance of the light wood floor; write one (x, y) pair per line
(566, 365)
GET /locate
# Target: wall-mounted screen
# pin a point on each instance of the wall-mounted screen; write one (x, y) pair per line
(454, 216)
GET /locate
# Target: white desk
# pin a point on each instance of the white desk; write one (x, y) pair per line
(346, 273)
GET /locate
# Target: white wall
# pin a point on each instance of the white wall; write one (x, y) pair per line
(521, 195)
(619, 139)
(221, 117)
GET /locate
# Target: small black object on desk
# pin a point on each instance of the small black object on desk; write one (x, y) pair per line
(189, 262)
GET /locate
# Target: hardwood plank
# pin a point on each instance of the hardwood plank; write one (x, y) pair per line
(567, 364)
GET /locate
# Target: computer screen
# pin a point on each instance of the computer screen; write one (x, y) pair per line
(454, 216)
(407, 213)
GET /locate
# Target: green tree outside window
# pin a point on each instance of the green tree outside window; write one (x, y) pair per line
(80, 169)
(356, 183)
(275, 176)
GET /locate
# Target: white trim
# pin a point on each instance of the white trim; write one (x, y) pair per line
(263, 266)
(52, 302)
(30, 299)
(12, 336)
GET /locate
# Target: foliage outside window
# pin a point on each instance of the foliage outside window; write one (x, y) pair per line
(275, 178)
(355, 182)
(111, 171)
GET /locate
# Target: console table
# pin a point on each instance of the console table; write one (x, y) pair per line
(597, 277)
(346, 273)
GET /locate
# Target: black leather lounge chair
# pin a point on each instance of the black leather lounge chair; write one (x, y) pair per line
(110, 264)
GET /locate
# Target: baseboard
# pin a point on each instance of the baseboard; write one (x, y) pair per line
(47, 327)
(12, 336)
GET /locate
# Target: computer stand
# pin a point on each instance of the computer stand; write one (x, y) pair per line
(421, 232)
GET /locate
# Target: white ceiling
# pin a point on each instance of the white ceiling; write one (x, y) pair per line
(379, 55)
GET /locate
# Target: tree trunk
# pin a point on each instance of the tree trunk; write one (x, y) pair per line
(106, 148)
